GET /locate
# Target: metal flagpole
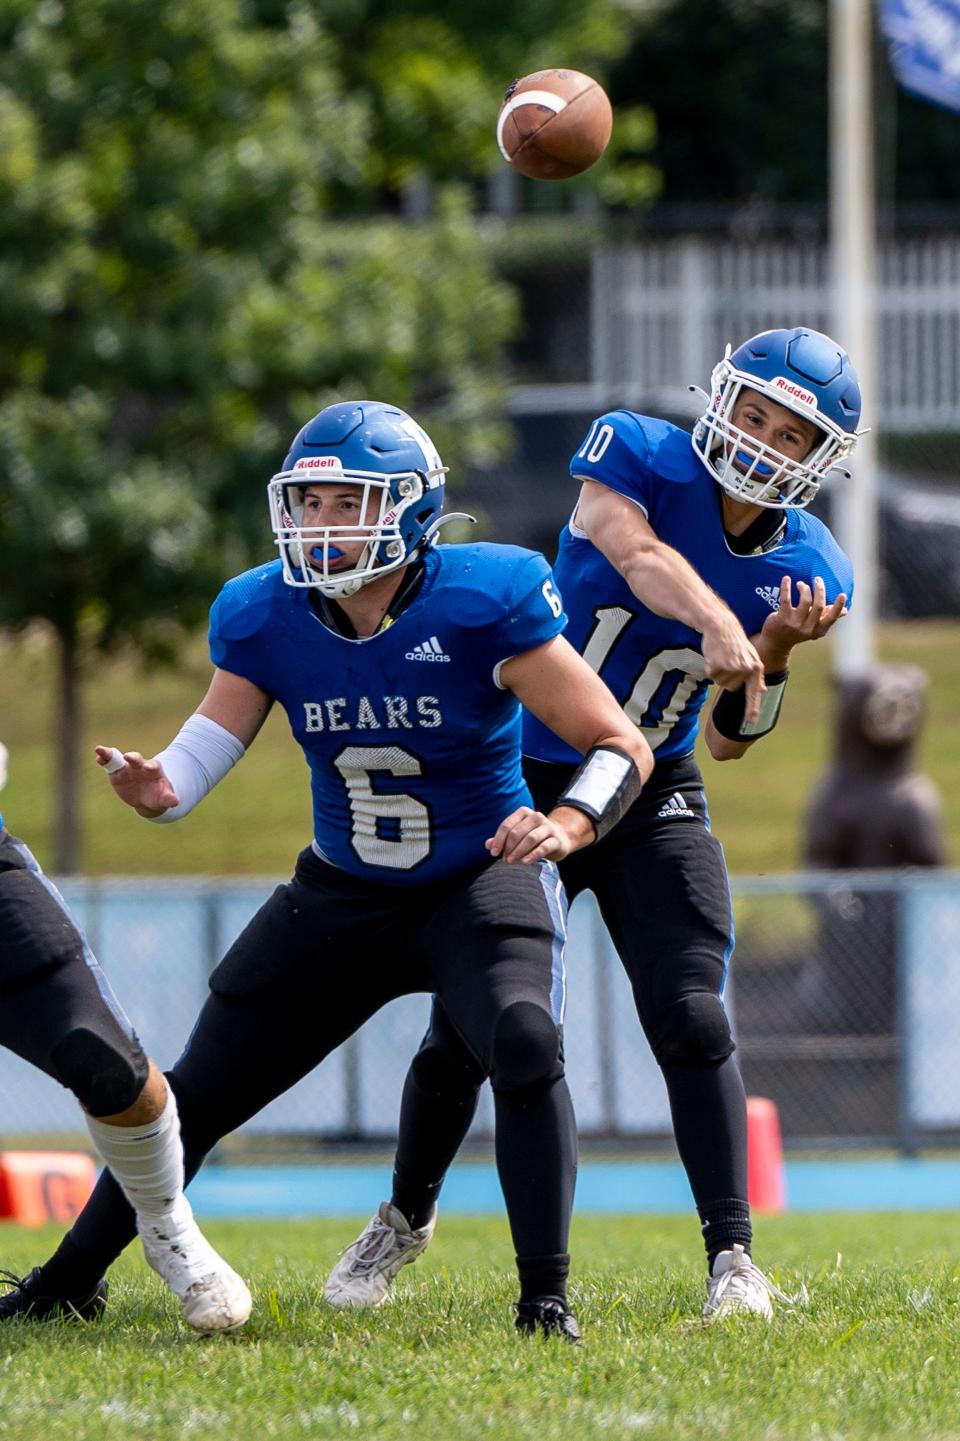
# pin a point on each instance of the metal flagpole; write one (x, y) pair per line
(853, 258)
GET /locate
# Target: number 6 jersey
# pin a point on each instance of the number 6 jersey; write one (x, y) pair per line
(412, 743)
(653, 665)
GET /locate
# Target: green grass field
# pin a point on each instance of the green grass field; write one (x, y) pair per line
(868, 1352)
(260, 817)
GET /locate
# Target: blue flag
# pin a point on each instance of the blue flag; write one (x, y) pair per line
(924, 38)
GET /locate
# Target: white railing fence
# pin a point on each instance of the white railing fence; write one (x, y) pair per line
(662, 311)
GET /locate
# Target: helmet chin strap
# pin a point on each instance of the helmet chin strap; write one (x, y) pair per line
(340, 590)
(430, 533)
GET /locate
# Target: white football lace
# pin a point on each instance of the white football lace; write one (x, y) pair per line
(373, 1246)
(746, 1274)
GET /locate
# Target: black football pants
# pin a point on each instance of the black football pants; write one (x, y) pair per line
(320, 957)
(56, 1009)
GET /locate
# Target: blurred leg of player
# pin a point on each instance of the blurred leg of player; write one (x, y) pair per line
(58, 1012)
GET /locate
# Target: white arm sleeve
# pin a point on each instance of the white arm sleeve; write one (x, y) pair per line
(195, 761)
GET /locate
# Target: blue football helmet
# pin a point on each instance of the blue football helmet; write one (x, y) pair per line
(807, 373)
(367, 444)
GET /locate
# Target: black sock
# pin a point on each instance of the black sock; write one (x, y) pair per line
(725, 1224)
(103, 1228)
(413, 1197)
(543, 1276)
(68, 1273)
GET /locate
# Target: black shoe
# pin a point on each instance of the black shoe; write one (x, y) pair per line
(547, 1316)
(26, 1298)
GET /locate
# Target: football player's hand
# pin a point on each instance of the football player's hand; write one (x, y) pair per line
(527, 836)
(790, 624)
(141, 783)
(733, 661)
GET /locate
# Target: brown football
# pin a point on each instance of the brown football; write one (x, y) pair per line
(554, 124)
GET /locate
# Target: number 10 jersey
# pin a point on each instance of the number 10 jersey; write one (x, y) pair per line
(655, 665)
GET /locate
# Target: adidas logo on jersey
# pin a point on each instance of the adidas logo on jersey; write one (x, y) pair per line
(430, 650)
(674, 805)
(771, 594)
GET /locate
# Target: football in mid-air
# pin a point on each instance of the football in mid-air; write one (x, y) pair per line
(554, 124)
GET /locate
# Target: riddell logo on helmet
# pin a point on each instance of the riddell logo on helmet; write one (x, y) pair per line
(318, 462)
(797, 392)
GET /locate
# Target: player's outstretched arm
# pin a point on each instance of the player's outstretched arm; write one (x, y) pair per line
(557, 686)
(210, 742)
(668, 585)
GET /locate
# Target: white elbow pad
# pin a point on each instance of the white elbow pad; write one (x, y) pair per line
(195, 761)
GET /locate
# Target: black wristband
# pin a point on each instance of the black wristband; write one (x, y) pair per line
(603, 787)
(727, 714)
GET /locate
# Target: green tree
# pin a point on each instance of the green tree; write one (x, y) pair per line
(98, 555)
(194, 257)
(434, 73)
(174, 303)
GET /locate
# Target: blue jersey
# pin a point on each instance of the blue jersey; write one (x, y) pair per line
(412, 744)
(655, 667)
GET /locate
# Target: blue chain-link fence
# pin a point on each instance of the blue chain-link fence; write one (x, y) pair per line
(845, 997)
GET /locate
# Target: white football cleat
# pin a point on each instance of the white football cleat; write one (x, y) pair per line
(736, 1284)
(365, 1270)
(212, 1296)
